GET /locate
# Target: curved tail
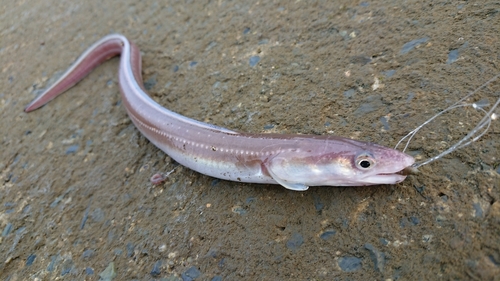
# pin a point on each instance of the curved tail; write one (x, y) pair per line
(98, 53)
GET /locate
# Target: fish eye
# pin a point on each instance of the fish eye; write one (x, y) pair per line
(365, 161)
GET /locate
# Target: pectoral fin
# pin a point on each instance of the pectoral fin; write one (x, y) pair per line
(288, 185)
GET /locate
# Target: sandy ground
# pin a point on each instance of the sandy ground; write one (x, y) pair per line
(74, 176)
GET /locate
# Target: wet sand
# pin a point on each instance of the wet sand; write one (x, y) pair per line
(74, 176)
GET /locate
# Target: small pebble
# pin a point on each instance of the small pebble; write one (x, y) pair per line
(85, 217)
(7, 229)
(26, 209)
(411, 95)
(389, 73)
(478, 210)
(52, 264)
(150, 83)
(452, 56)
(97, 215)
(156, 271)
(89, 271)
(130, 249)
(414, 220)
(411, 221)
(72, 149)
(109, 273)
(254, 60)
(191, 274)
(440, 219)
(370, 104)
(65, 271)
(295, 241)
(349, 264)
(268, 127)
(212, 253)
(427, 238)
(162, 248)
(327, 234)
(30, 259)
(87, 254)
(412, 44)
(111, 234)
(67, 267)
(384, 122)
(221, 263)
(210, 46)
(349, 93)
(56, 201)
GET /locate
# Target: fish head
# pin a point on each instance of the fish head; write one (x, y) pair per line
(339, 162)
(377, 165)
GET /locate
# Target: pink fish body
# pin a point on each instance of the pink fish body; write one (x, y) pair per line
(293, 161)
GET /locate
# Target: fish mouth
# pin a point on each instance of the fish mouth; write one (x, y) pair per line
(385, 178)
(391, 178)
(405, 172)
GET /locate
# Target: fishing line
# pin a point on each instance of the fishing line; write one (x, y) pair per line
(485, 124)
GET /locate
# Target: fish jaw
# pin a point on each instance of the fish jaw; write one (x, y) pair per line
(376, 179)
